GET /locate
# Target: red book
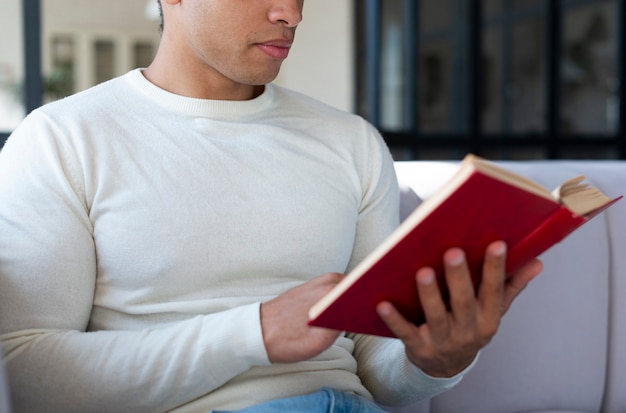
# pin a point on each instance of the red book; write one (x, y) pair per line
(480, 204)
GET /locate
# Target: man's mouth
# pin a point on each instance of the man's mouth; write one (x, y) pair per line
(277, 49)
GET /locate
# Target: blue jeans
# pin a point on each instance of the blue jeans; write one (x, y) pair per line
(325, 400)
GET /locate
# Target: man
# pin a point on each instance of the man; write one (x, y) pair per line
(162, 237)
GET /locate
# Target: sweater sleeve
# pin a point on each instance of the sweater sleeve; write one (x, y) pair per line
(389, 375)
(379, 208)
(47, 280)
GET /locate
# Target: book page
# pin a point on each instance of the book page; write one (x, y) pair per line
(580, 197)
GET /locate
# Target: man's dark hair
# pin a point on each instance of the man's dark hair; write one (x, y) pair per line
(160, 14)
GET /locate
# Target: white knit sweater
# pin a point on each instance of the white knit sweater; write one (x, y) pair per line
(141, 230)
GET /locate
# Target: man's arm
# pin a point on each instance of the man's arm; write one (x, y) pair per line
(48, 270)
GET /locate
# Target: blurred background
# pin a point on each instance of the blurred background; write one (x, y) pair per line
(505, 79)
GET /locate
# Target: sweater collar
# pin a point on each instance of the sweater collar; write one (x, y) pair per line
(200, 107)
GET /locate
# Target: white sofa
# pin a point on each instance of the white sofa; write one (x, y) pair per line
(562, 345)
(5, 402)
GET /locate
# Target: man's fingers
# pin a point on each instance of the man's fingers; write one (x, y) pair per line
(518, 281)
(461, 288)
(435, 310)
(491, 290)
(399, 326)
(328, 278)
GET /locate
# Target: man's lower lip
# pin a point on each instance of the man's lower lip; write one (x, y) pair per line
(275, 51)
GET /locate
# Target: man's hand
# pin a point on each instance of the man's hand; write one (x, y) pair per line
(450, 339)
(284, 319)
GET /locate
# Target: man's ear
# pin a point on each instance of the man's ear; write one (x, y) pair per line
(171, 2)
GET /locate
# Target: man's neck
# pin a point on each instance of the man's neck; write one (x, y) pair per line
(198, 83)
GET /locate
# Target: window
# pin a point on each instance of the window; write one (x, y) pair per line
(143, 52)
(86, 43)
(60, 79)
(589, 86)
(507, 79)
(104, 60)
(514, 71)
(52, 48)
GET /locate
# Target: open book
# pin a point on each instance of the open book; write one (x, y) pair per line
(481, 203)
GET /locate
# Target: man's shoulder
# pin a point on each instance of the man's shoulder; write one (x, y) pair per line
(86, 101)
(337, 128)
(290, 98)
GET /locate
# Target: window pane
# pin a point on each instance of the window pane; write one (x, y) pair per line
(435, 15)
(88, 42)
(60, 80)
(393, 86)
(11, 65)
(514, 78)
(491, 7)
(589, 84)
(143, 54)
(491, 97)
(435, 85)
(104, 56)
(528, 78)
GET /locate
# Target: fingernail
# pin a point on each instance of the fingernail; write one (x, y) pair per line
(455, 257)
(499, 248)
(383, 309)
(426, 276)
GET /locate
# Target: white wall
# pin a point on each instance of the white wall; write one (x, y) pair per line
(11, 37)
(11, 64)
(321, 63)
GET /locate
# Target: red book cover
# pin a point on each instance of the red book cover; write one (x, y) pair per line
(475, 208)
